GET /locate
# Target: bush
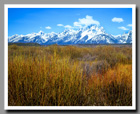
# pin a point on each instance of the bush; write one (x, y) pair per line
(14, 47)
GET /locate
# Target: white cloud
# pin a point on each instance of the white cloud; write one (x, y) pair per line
(48, 27)
(129, 25)
(115, 19)
(60, 25)
(68, 26)
(77, 24)
(86, 21)
(123, 28)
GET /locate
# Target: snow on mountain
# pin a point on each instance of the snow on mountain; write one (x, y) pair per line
(92, 34)
(126, 37)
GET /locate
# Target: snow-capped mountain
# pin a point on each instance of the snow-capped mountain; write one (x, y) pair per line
(87, 35)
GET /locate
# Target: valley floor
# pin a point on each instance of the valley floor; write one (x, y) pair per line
(70, 75)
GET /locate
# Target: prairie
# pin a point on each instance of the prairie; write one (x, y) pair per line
(69, 75)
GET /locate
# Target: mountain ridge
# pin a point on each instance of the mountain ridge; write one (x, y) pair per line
(87, 35)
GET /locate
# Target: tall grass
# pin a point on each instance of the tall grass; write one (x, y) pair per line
(69, 76)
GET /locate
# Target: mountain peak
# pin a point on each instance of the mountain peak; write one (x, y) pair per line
(95, 28)
(41, 32)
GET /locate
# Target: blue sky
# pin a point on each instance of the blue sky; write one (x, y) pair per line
(28, 20)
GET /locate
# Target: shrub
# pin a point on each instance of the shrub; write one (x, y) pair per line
(14, 47)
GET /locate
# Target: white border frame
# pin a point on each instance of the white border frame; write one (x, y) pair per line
(133, 107)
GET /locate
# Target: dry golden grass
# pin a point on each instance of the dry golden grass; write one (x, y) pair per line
(69, 76)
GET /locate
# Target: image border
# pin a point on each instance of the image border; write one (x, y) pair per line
(133, 107)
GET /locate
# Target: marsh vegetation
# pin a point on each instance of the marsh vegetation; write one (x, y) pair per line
(69, 76)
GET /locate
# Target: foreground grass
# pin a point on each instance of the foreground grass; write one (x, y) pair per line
(69, 76)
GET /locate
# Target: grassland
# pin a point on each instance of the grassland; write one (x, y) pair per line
(69, 76)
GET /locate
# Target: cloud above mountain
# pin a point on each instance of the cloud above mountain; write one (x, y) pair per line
(123, 28)
(60, 25)
(118, 20)
(48, 27)
(88, 20)
(68, 26)
(129, 25)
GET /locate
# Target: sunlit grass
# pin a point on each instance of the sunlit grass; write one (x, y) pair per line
(69, 76)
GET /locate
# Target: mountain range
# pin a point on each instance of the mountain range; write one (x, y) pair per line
(92, 34)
